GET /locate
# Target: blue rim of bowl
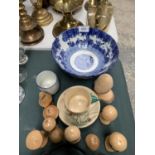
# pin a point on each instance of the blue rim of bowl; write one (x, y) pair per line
(85, 76)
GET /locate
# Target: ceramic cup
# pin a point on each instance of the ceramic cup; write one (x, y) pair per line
(47, 81)
(78, 102)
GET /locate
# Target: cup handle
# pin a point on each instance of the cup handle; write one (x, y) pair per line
(94, 99)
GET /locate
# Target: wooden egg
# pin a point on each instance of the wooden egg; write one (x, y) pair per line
(45, 99)
(92, 142)
(34, 140)
(51, 111)
(118, 141)
(57, 135)
(72, 134)
(107, 97)
(109, 114)
(103, 84)
(49, 124)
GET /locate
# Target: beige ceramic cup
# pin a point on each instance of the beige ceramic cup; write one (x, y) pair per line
(77, 102)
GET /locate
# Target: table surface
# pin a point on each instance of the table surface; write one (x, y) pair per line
(30, 113)
(81, 15)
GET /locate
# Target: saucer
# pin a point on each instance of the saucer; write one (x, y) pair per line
(93, 113)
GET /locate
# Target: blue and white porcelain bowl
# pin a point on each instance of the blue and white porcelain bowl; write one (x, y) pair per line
(85, 52)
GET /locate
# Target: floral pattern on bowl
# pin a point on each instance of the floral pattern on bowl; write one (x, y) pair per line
(85, 52)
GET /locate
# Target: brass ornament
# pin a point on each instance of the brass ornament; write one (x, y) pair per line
(41, 15)
(30, 32)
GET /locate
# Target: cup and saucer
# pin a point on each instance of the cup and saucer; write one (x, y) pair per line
(78, 105)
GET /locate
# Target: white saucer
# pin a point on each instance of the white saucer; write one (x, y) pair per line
(93, 112)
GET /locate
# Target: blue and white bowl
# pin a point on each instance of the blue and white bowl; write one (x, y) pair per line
(85, 52)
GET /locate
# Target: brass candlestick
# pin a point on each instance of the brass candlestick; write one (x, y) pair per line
(30, 32)
(66, 7)
(41, 15)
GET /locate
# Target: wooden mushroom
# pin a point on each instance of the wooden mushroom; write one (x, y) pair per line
(109, 114)
(116, 142)
(72, 134)
(103, 84)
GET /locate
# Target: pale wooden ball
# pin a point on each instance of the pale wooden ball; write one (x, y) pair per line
(49, 124)
(57, 135)
(72, 134)
(51, 111)
(118, 141)
(92, 142)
